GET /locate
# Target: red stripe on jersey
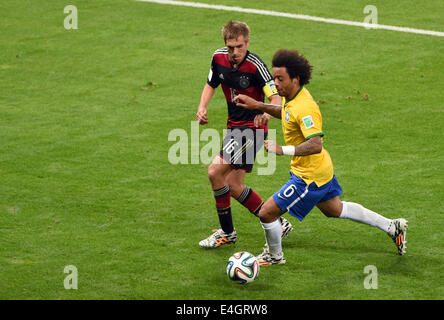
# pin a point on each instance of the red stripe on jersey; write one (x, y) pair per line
(249, 123)
(222, 59)
(253, 92)
(248, 66)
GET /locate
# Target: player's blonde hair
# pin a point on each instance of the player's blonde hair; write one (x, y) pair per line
(234, 29)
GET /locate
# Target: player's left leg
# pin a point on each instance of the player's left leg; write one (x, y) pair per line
(235, 180)
(354, 211)
(245, 195)
(396, 229)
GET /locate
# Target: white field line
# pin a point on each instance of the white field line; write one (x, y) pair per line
(297, 16)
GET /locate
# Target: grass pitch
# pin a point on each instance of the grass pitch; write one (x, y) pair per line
(85, 178)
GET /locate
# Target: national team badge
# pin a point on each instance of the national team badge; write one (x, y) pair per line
(287, 116)
(244, 82)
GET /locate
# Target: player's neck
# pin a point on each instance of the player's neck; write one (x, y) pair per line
(294, 92)
(234, 65)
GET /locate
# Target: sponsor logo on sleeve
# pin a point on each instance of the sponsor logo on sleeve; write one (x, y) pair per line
(308, 122)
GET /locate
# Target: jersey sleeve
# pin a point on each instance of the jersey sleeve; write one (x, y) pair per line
(263, 76)
(213, 80)
(269, 89)
(310, 121)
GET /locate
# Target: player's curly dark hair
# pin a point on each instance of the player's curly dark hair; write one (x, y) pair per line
(297, 65)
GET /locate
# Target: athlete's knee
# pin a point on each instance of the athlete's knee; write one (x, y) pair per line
(331, 213)
(331, 208)
(337, 210)
(214, 173)
(264, 216)
(267, 214)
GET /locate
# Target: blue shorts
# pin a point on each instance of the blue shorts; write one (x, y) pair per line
(298, 199)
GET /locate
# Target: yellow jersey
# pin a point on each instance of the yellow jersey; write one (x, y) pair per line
(302, 120)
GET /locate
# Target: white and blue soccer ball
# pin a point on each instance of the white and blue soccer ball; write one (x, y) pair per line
(242, 267)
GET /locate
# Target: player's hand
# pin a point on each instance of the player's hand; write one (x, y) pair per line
(246, 102)
(261, 119)
(273, 147)
(201, 116)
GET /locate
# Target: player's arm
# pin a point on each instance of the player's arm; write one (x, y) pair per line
(306, 148)
(213, 82)
(262, 119)
(271, 93)
(247, 102)
(276, 100)
(207, 94)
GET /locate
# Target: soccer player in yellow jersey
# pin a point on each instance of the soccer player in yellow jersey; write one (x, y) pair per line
(312, 181)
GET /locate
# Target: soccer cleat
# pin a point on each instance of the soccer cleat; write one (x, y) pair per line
(286, 227)
(267, 258)
(398, 233)
(218, 238)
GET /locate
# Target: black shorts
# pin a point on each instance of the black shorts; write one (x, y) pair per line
(240, 146)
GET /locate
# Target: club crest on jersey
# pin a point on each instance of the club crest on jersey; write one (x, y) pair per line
(244, 82)
(287, 116)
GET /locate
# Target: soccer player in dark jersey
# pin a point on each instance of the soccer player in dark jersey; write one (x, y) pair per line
(238, 71)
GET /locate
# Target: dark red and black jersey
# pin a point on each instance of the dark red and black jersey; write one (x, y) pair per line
(249, 78)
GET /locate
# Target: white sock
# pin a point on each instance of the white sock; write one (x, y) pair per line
(356, 212)
(273, 234)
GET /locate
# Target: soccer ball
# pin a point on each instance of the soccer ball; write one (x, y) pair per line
(242, 267)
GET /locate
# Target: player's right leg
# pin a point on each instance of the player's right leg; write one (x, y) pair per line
(248, 198)
(269, 216)
(217, 172)
(298, 199)
(219, 238)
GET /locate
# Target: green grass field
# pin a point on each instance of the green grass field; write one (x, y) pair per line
(85, 178)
